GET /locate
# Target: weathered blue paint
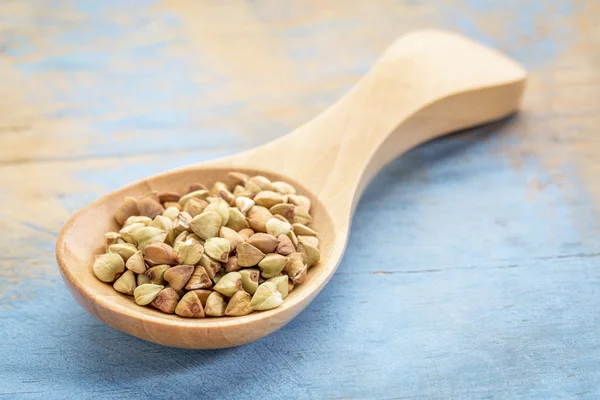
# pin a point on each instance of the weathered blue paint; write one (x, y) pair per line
(529, 32)
(461, 278)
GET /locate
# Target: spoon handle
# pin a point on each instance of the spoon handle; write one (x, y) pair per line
(426, 84)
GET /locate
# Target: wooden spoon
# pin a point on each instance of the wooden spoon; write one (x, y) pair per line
(428, 83)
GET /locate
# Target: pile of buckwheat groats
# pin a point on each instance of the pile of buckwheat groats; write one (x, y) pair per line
(212, 252)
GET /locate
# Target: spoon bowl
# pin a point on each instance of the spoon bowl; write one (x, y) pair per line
(82, 238)
(428, 83)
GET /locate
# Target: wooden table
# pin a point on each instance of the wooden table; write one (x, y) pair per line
(473, 267)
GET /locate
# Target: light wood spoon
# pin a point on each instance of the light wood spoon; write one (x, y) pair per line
(428, 83)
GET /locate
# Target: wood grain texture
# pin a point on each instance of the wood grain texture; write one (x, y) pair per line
(488, 287)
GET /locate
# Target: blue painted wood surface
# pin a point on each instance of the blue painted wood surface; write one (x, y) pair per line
(472, 267)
